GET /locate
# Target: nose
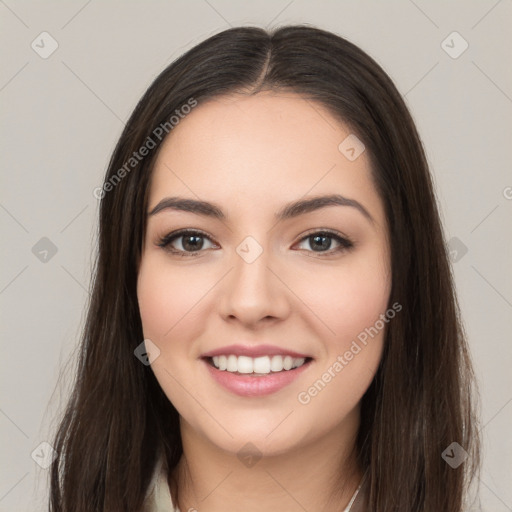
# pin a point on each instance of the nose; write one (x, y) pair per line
(255, 291)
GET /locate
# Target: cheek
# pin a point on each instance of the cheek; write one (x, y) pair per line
(353, 345)
(170, 305)
(347, 299)
(167, 298)
(155, 302)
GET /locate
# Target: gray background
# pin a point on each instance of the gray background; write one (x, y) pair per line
(63, 114)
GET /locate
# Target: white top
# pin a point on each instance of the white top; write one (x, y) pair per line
(158, 497)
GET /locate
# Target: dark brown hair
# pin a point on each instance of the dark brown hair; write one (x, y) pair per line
(421, 399)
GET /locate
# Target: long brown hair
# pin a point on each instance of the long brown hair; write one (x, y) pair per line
(421, 399)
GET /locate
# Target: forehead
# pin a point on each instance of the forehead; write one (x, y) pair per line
(268, 148)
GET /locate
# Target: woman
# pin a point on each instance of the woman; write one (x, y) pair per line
(273, 323)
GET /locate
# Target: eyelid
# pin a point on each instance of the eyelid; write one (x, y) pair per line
(165, 241)
(345, 243)
(328, 231)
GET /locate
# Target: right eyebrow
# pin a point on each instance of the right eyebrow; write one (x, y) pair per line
(188, 205)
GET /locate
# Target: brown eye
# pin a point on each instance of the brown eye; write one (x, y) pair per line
(184, 243)
(322, 241)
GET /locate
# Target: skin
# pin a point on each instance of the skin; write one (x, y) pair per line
(251, 155)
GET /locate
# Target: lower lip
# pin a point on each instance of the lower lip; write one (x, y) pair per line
(251, 385)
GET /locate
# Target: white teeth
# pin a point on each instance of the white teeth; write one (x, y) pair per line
(232, 365)
(258, 365)
(244, 364)
(276, 364)
(223, 362)
(261, 364)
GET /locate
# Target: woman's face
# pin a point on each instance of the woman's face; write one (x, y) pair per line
(264, 272)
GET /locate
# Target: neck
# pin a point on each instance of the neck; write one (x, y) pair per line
(318, 476)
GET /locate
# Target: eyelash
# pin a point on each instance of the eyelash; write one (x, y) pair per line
(345, 243)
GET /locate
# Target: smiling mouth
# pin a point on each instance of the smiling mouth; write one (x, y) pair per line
(256, 366)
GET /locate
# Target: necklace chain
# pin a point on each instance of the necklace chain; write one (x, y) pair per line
(348, 508)
(353, 499)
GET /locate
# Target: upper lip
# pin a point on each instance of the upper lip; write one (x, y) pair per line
(253, 351)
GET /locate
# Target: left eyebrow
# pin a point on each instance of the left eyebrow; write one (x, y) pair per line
(303, 206)
(291, 210)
